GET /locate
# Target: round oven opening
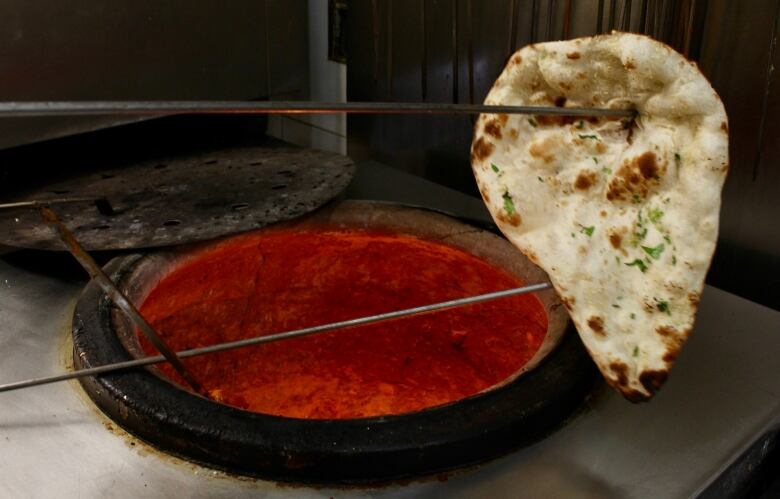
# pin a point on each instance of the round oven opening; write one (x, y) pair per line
(390, 400)
(287, 279)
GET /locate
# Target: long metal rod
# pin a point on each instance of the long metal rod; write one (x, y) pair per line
(81, 108)
(258, 340)
(38, 204)
(116, 296)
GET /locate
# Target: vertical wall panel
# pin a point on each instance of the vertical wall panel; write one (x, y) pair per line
(287, 32)
(737, 40)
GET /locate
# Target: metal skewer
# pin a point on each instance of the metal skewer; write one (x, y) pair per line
(160, 108)
(37, 204)
(258, 340)
(116, 296)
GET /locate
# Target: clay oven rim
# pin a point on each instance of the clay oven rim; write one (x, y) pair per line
(366, 450)
(366, 215)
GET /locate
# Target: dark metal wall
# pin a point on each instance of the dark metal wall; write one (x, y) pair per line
(739, 55)
(145, 49)
(452, 50)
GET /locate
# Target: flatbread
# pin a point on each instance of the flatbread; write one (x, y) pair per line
(621, 213)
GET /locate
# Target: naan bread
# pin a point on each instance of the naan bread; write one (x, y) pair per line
(622, 214)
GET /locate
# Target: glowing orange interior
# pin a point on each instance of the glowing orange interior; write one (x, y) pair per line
(274, 281)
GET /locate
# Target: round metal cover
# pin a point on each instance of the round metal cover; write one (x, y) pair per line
(183, 199)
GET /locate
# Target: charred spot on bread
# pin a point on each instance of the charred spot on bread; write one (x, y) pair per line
(560, 101)
(493, 128)
(648, 165)
(513, 133)
(585, 180)
(542, 149)
(672, 345)
(573, 55)
(666, 331)
(596, 323)
(621, 372)
(629, 64)
(693, 299)
(568, 302)
(615, 193)
(630, 136)
(653, 379)
(481, 149)
(516, 59)
(635, 178)
(671, 355)
(513, 219)
(503, 118)
(724, 127)
(616, 240)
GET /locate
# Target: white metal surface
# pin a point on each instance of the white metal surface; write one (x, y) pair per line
(723, 394)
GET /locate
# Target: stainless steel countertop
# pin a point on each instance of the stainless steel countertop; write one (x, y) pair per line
(723, 395)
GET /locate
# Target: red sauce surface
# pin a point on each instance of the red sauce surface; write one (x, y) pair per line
(276, 281)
